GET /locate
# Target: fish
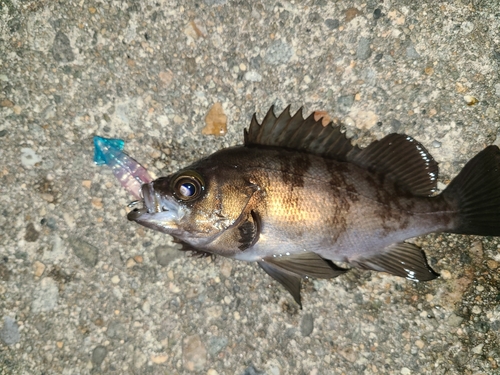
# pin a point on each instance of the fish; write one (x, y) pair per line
(130, 174)
(302, 201)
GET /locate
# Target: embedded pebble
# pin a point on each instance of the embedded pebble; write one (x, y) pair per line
(31, 233)
(279, 52)
(159, 359)
(332, 24)
(61, 48)
(470, 100)
(87, 253)
(38, 268)
(412, 53)
(194, 353)
(307, 325)
(165, 254)
(45, 296)
(216, 344)
(216, 121)
(445, 274)
(252, 76)
(29, 158)
(9, 334)
(478, 349)
(98, 355)
(363, 51)
(4, 272)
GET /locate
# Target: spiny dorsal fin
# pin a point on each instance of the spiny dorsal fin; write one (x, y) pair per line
(397, 157)
(296, 133)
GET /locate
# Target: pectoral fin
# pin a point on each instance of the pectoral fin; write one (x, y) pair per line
(400, 259)
(290, 269)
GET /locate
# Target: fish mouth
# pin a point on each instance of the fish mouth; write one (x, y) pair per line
(159, 212)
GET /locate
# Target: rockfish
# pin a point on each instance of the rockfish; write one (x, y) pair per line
(297, 197)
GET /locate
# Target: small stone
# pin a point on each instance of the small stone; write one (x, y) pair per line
(166, 78)
(377, 13)
(279, 52)
(194, 354)
(212, 372)
(45, 296)
(412, 53)
(445, 274)
(252, 76)
(159, 359)
(470, 100)
(115, 330)
(251, 370)
(405, 371)
(420, 344)
(436, 144)
(344, 103)
(492, 264)
(61, 48)
(98, 355)
(478, 349)
(307, 325)
(497, 89)
(455, 320)
(92, 10)
(59, 344)
(9, 334)
(6, 103)
(87, 184)
(97, 203)
(17, 109)
(216, 121)
(467, 27)
(115, 279)
(216, 344)
(31, 233)
(38, 268)
(351, 13)
(332, 24)
(226, 268)
(29, 158)
(323, 116)
(130, 263)
(363, 51)
(87, 253)
(164, 255)
(4, 272)
(476, 310)
(139, 258)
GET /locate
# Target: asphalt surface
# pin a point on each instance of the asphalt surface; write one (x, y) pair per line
(84, 291)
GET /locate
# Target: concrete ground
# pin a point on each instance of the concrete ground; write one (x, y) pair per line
(84, 291)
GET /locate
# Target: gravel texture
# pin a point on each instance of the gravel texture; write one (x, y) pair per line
(83, 291)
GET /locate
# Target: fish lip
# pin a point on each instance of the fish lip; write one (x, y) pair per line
(158, 210)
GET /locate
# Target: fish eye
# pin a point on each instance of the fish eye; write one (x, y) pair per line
(188, 186)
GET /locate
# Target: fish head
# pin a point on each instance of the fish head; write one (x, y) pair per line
(197, 204)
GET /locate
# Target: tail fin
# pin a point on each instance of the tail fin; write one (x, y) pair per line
(476, 194)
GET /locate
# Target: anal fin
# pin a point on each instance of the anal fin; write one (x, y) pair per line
(290, 269)
(400, 259)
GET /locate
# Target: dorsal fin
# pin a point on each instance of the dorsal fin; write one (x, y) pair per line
(401, 159)
(397, 157)
(296, 133)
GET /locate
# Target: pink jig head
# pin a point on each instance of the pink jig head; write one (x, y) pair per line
(128, 171)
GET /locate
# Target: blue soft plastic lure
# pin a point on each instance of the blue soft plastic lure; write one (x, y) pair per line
(128, 171)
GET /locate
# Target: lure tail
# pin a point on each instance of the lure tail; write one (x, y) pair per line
(127, 170)
(475, 192)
